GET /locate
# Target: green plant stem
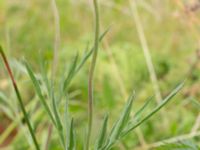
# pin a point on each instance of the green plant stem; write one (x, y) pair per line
(19, 98)
(91, 74)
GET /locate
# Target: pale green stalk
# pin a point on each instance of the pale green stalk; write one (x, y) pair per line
(91, 74)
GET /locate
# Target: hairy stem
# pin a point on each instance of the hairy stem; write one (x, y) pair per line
(19, 98)
(91, 74)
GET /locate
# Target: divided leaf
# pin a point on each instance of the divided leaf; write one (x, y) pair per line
(162, 104)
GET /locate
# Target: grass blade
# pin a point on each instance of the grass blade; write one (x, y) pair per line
(102, 134)
(121, 123)
(139, 112)
(57, 117)
(71, 137)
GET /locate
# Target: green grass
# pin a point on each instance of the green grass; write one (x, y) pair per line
(122, 127)
(62, 103)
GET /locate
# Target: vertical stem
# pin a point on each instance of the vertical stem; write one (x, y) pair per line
(19, 98)
(91, 74)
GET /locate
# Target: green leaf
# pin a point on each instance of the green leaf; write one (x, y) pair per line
(56, 121)
(162, 104)
(89, 53)
(57, 117)
(104, 34)
(140, 111)
(120, 124)
(182, 145)
(71, 137)
(102, 134)
(71, 73)
(39, 92)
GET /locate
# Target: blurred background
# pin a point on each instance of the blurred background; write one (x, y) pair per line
(151, 46)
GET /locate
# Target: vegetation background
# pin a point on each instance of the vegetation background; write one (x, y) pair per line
(150, 47)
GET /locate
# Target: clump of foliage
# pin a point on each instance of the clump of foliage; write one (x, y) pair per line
(64, 122)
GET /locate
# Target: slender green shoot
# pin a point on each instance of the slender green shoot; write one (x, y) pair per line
(19, 98)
